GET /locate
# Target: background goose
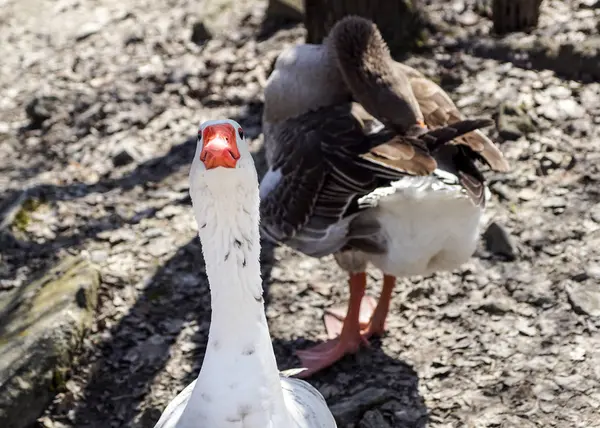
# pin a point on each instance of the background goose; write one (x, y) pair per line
(411, 206)
(239, 384)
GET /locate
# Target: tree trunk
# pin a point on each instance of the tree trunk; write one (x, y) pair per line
(515, 15)
(400, 21)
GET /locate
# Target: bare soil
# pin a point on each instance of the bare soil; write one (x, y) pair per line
(100, 103)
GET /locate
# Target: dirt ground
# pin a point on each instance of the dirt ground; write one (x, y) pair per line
(100, 103)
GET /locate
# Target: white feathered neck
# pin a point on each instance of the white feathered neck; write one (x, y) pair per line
(239, 380)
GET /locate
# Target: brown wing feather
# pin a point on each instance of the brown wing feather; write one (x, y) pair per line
(402, 156)
(327, 162)
(439, 110)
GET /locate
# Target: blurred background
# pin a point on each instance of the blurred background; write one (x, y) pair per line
(104, 306)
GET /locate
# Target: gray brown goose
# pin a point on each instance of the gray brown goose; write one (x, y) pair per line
(354, 172)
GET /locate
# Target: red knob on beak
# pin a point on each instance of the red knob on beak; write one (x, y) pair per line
(220, 148)
(218, 152)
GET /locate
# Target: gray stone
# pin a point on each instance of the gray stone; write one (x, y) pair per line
(373, 419)
(537, 293)
(554, 202)
(40, 109)
(159, 247)
(41, 325)
(513, 122)
(200, 33)
(557, 110)
(595, 213)
(349, 409)
(591, 4)
(499, 242)
(584, 297)
(88, 29)
(125, 155)
(468, 18)
(571, 109)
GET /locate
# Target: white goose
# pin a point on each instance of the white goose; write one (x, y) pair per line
(239, 385)
(342, 180)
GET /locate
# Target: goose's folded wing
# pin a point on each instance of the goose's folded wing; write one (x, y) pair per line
(309, 193)
(305, 404)
(323, 162)
(439, 110)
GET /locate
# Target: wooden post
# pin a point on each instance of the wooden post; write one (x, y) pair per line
(515, 15)
(400, 21)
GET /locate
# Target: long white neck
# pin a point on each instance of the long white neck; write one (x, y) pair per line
(239, 374)
(231, 248)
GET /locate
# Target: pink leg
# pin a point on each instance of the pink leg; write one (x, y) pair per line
(334, 317)
(372, 315)
(377, 325)
(350, 339)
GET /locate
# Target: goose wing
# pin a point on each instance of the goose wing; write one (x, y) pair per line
(323, 161)
(459, 157)
(305, 404)
(439, 110)
(316, 173)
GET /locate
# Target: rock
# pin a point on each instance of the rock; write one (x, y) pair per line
(554, 202)
(559, 92)
(200, 33)
(468, 18)
(584, 297)
(350, 408)
(495, 305)
(98, 256)
(42, 324)
(499, 242)
(292, 10)
(513, 122)
(590, 4)
(593, 271)
(40, 109)
(123, 158)
(125, 155)
(527, 194)
(88, 29)
(373, 419)
(410, 416)
(537, 293)
(571, 109)
(551, 161)
(595, 213)
(159, 247)
(557, 110)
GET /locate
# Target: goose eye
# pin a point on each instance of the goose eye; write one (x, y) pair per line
(240, 132)
(200, 135)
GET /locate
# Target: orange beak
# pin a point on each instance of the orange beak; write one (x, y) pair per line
(220, 148)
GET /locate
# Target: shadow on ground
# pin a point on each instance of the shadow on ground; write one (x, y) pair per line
(131, 353)
(42, 255)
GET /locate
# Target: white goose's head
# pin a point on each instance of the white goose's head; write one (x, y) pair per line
(222, 163)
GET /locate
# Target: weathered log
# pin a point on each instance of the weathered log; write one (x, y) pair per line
(401, 22)
(515, 15)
